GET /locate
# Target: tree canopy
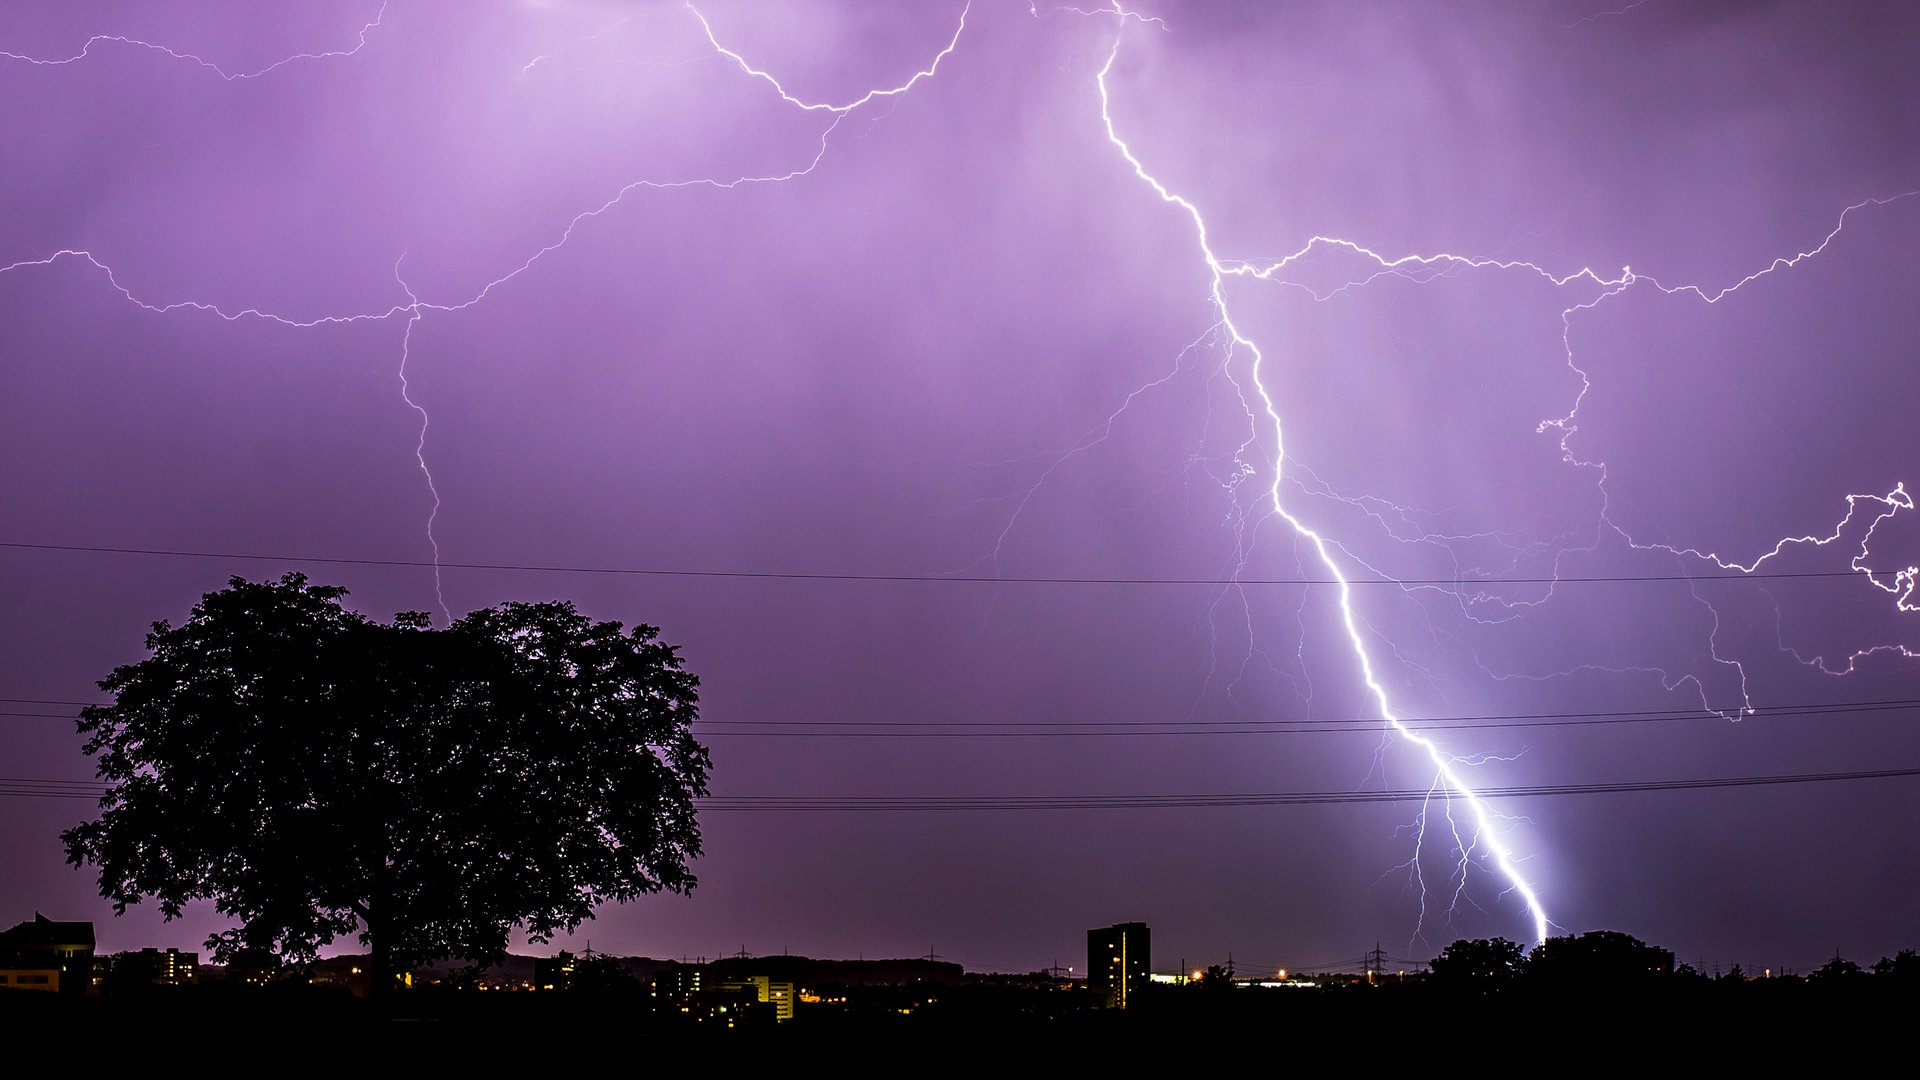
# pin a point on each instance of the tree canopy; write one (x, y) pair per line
(315, 773)
(1597, 956)
(1482, 961)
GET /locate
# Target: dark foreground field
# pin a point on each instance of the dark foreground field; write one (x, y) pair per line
(1755, 1025)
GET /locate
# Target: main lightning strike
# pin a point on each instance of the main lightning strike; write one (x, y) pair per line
(1902, 583)
(1445, 765)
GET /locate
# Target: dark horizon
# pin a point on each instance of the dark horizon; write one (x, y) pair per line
(1900, 965)
(878, 357)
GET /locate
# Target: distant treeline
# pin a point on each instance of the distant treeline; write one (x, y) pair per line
(1608, 957)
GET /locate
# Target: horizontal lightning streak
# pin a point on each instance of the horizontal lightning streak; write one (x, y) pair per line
(86, 50)
(927, 72)
(415, 305)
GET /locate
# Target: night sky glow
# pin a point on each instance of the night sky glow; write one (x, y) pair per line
(1016, 408)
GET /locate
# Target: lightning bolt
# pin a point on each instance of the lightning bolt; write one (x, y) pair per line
(1447, 768)
(420, 444)
(1420, 268)
(1482, 839)
(416, 308)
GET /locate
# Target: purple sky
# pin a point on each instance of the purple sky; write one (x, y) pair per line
(665, 314)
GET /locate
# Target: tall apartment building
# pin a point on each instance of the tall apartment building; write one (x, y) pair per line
(1118, 963)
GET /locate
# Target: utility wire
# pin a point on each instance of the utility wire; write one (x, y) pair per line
(965, 579)
(787, 803)
(993, 729)
(1102, 802)
(1110, 728)
(82, 789)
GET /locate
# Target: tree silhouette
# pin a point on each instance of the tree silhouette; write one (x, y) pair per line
(1597, 957)
(1904, 966)
(315, 773)
(1837, 970)
(1484, 962)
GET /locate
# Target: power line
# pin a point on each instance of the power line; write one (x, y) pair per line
(1365, 725)
(960, 579)
(932, 729)
(29, 787)
(81, 789)
(786, 803)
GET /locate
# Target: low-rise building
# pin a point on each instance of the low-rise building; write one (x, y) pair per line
(47, 955)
